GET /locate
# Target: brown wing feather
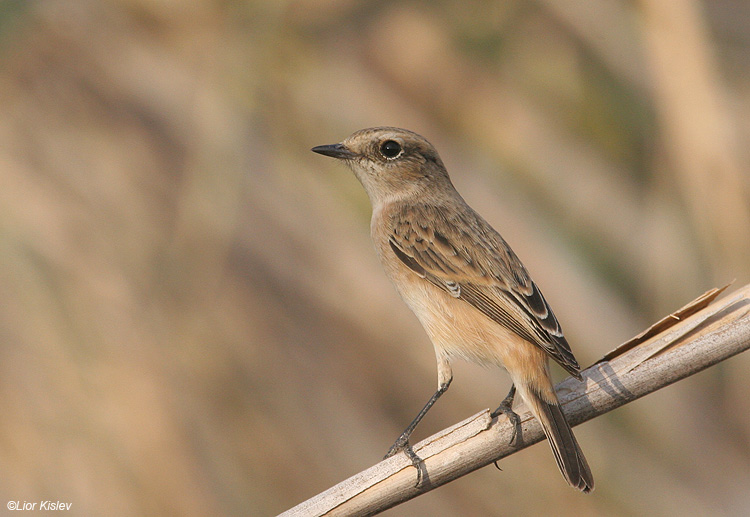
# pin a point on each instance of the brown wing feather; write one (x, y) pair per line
(467, 258)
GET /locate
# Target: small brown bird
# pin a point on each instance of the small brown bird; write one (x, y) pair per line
(467, 287)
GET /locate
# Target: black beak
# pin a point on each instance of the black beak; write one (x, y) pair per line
(335, 151)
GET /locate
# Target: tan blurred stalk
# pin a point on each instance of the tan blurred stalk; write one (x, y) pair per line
(698, 131)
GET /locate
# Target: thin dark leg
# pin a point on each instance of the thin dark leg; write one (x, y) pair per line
(506, 408)
(402, 444)
(403, 441)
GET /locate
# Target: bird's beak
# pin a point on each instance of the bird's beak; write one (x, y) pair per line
(335, 151)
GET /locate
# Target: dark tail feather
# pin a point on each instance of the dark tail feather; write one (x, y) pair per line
(564, 445)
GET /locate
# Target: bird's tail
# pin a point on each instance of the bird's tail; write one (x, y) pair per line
(564, 445)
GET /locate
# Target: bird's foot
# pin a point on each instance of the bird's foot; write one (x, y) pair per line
(403, 445)
(506, 408)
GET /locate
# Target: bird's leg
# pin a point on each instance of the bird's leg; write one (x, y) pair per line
(506, 408)
(445, 376)
(402, 443)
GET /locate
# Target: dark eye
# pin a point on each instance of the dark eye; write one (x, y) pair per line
(390, 149)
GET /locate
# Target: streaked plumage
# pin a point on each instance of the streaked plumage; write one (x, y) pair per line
(462, 254)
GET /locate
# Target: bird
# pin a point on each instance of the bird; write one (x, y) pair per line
(466, 286)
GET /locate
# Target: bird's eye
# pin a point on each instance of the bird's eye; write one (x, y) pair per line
(390, 148)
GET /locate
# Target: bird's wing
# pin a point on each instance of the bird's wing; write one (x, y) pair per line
(462, 254)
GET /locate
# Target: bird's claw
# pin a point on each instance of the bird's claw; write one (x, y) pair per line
(402, 444)
(506, 408)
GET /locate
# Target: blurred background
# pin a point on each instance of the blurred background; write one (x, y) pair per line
(193, 320)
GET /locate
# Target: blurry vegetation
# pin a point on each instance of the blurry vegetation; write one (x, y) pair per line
(193, 320)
